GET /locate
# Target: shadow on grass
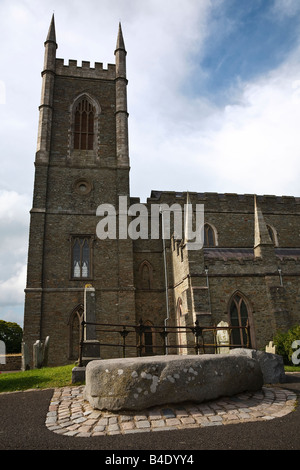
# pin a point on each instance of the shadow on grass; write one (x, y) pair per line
(46, 377)
(15, 381)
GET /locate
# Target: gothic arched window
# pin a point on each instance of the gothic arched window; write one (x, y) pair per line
(84, 119)
(145, 275)
(75, 320)
(209, 236)
(81, 257)
(239, 317)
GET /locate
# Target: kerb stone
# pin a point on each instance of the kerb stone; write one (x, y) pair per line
(140, 383)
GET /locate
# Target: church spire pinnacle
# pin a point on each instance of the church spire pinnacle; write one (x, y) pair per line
(120, 41)
(121, 102)
(51, 37)
(48, 74)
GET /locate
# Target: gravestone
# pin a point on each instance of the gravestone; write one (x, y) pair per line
(40, 353)
(271, 348)
(25, 357)
(223, 339)
(46, 352)
(91, 346)
(2, 352)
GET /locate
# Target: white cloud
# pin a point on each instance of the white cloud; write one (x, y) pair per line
(13, 208)
(12, 289)
(248, 147)
(14, 219)
(284, 8)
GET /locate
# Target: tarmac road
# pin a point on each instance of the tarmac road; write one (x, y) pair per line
(23, 414)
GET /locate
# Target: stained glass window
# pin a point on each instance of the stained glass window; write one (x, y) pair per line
(81, 257)
(239, 318)
(84, 126)
(209, 236)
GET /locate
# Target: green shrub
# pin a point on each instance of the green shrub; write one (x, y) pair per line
(11, 334)
(284, 341)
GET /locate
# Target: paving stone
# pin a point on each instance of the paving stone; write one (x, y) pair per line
(127, 425)
(113, 427)
(187, 420)
(168, 413)
(99, 429)
(71, 433)
(201, 420)
(158, 423)
(112, 420)
(124, 418)
(142, 424)
(140, 417)
(215, 418)
(172, 421)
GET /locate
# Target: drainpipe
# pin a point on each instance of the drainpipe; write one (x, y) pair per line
(207, 285)
(166, 277)
(280, 277)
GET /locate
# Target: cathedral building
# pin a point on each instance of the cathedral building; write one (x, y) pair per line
(246, 273)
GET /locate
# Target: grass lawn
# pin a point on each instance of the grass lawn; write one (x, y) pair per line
(47, 377)
(292, 368)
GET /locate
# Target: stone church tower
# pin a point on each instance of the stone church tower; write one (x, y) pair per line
(81, 162)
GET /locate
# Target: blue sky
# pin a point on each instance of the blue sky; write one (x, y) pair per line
(213, 98)
(245, 40)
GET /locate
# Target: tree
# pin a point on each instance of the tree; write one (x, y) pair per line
(11, 334)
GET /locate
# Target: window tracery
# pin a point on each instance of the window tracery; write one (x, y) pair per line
(84, 118)
(81, 257)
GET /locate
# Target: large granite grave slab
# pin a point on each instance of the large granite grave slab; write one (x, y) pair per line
(139, 383)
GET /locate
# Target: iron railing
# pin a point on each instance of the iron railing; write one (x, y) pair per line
(138, 337)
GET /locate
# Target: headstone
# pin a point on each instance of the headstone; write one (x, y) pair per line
(271, 348)
(223, 339)
(25, 357)
(46, 352)
(2, 352)
(90, 313)
(91, 346)
(38, 354)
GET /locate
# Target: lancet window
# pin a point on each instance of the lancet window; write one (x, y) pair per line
(239, 317)
(81, 258)
(209, 236)
(84, 119)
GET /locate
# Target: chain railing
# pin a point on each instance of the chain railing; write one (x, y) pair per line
(138, 338)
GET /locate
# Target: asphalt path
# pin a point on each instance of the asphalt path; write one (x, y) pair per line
(22, 427)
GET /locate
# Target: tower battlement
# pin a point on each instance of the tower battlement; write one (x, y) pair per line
(85, 70)
(229, 202)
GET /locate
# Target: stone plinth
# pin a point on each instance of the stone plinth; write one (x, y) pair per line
(139, 383)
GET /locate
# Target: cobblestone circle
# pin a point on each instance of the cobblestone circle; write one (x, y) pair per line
(69, 414)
